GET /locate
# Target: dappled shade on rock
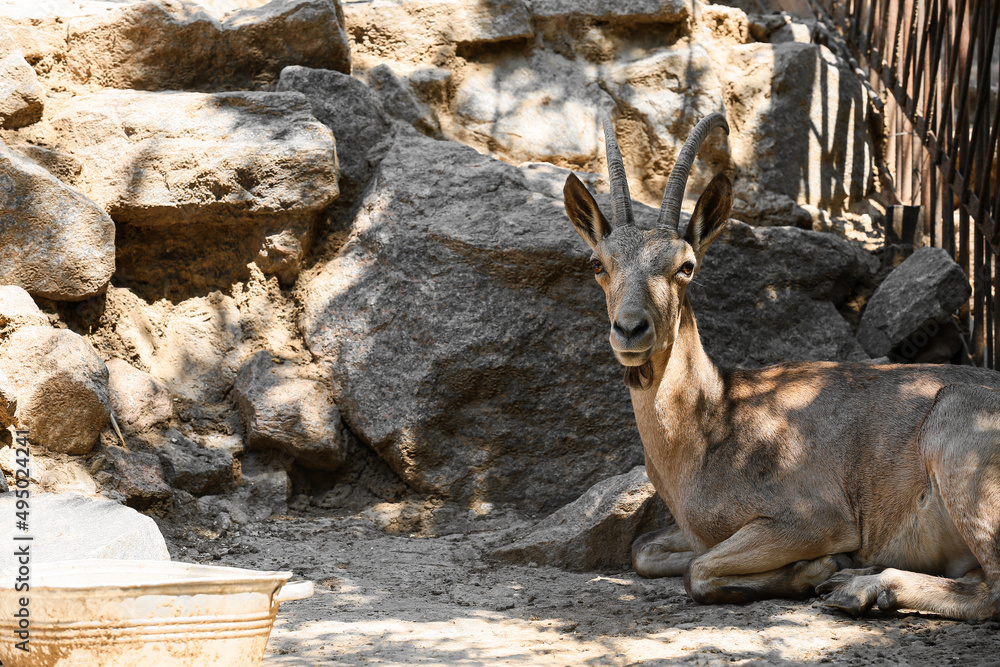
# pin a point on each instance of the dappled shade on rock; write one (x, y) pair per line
(164, 45)
(199, 184)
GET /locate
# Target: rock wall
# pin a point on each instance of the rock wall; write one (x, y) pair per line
(523, 82)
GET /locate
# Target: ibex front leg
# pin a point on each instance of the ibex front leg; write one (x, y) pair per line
(765, 559)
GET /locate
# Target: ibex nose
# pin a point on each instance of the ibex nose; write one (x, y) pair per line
(630, 326)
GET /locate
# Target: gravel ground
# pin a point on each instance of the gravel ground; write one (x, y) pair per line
(394, 599)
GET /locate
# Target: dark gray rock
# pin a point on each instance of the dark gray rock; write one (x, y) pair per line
(291, 414)
(596, 531)
(138, 476)
(910, 306)
(767, 295)
(353, 113)
(400, 103)
(468, 341)
(193, 466)
(70, 526)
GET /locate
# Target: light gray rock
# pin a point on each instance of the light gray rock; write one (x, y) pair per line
(54, 242)
(595, 531)
(69, 526)
(353, 113)
(915, 300)
(200, 185)
(468, 342)
(288, 413)
(411, 29)
(536, 107)
(61, 386)
(139, 400)
(22, 98)
(167, 158)
(665, 11)
(167, 45)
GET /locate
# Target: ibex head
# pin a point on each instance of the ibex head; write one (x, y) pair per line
(645, 272)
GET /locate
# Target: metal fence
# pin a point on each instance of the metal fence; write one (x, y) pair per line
(932, 67)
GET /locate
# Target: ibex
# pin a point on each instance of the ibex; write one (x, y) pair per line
(874, 484)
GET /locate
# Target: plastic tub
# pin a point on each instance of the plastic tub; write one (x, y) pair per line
(96, 613)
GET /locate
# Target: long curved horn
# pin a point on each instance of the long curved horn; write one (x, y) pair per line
(673, 195)
(621, 212)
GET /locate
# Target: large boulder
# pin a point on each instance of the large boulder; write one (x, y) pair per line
(21, 96)
(913, 304)
(54, 242)
(767, 295)
(201, 184)
(168, 45)
(69, 526)
(468, 343)
(800, 124)
(292, 414)
(595, 531)
(61, 386)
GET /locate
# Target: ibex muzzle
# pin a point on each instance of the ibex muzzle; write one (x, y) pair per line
(871, 484)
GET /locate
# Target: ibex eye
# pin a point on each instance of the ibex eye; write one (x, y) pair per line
(596, 265)
(687, 268)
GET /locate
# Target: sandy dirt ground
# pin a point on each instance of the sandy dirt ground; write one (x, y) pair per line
(390, 599)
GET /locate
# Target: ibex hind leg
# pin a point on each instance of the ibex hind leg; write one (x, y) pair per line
(662, 553)
(960, 441)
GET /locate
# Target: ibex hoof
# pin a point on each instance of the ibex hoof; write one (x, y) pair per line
(857, 591)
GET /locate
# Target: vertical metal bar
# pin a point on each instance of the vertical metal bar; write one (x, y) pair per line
(989, 315)
(960, 137)
(979, 320)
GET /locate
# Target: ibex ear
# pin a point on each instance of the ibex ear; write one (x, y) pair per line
(710, 215)
(583, 212)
